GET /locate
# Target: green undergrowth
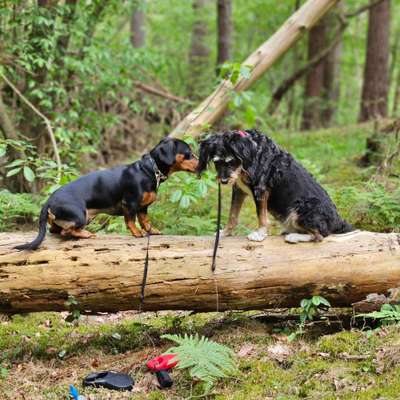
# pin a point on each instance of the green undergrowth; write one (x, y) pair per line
(187, 206)
(41, 354)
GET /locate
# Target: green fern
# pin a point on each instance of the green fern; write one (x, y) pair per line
(205, 360)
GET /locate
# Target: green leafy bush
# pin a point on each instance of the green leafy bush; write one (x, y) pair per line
(389, 314)
(17, 209)
(375, 208)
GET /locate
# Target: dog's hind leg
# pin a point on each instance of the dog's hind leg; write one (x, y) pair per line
(68, 220)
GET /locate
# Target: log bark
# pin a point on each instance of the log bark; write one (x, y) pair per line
(105, 273)
(214, 106)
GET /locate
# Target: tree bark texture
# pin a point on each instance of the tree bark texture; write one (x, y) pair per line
(214, 106)
(199, 52)
(314, 86)
(105, 273)
(137, 25)
(331, 82)
(376, 71)
(224, 20)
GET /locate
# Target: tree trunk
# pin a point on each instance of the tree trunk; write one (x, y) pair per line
(288, 83)
(6, 124)
(376, 71)
(331, 80)
(214, 106)
(105, 273)
(315, 78)
(138, 32)
(396, 100)
(224, 19)
(199, 52)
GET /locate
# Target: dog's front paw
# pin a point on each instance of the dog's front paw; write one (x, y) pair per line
(258, 236)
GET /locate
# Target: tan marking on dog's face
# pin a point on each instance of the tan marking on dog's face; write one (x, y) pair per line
(182, 164)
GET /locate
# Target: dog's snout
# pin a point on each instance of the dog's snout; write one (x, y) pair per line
(224, 180)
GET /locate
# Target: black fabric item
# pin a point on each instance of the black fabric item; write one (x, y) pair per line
(110, 380)
(164, 379)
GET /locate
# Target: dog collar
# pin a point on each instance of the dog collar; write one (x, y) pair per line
(160, 177)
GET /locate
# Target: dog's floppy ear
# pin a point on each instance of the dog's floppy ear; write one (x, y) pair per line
(204, 155)
(165, 152)
(242, 146)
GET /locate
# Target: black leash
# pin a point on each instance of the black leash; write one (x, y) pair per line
(218, 229)
(146, 267)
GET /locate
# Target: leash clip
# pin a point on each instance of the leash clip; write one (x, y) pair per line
(160, 177)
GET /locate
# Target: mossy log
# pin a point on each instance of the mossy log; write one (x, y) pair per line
(105, 273)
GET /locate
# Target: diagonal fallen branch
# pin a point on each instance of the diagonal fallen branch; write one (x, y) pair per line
(214, 106)
(157, 92)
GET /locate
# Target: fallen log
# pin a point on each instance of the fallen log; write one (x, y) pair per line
(105, 273)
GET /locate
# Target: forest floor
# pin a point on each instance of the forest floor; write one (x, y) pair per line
(41, 354)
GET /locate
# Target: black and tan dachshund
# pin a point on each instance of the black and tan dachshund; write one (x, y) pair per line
(126, 190)
(255, 165)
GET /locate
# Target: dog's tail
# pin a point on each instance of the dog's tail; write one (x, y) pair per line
(343, 227)
(42, 231)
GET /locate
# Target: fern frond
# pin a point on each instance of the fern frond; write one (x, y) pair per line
(205, 359)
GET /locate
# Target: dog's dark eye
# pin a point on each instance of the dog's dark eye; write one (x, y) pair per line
(188, 156)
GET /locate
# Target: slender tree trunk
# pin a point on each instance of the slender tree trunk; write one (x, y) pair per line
(331, 65)
(291, 98)
(396, 100)
(68, 18)
(376, 71)
(199, 51)
(137, 24)
(224, 19)
(315, 78)
(6, 124)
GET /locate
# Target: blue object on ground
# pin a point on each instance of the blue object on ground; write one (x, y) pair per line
(74, 393)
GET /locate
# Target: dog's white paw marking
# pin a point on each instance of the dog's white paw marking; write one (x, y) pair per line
(298, 237)
(224, 233)
(258, 236)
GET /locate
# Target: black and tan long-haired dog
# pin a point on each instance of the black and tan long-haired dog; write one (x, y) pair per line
(126, 190)
(255, 165)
